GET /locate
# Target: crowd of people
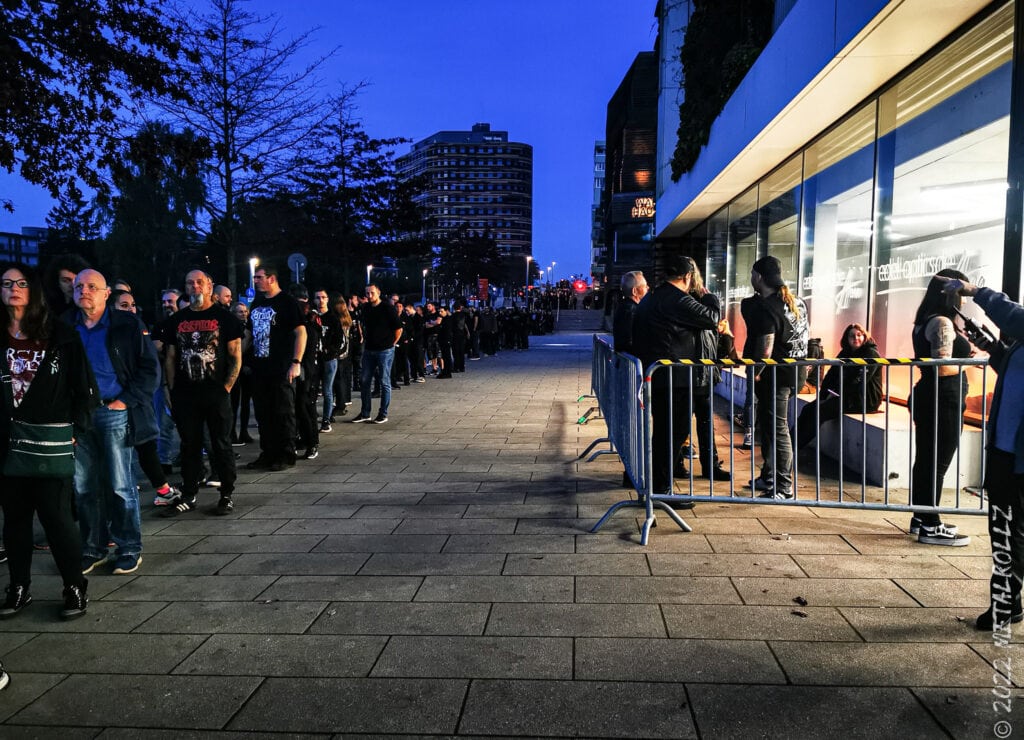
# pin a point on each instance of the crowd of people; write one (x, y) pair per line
(122, 395)
(681, 319)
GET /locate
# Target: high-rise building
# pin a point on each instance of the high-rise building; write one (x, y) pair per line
(476, 179)
(629, 191)
(597, 250)
(23, 247)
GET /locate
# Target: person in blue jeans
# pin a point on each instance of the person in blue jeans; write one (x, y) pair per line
(381, 332)
(124, 362)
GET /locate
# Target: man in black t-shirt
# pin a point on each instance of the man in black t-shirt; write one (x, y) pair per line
(278, 345)
(381, 332)
(204, 357)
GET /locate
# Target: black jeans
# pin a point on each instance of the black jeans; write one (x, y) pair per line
(196, 407)
(703, 411)
(826, 408)
(53, 499)
(274, 403)
(307, 422)
(343, 385)
(773, 430)
(938, 419)
(241, 397)
(1006, 528)
(149, 461)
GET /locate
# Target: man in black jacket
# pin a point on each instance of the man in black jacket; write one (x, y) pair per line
(381, 332)
(667, 325)
(634, 288)
(124, 362)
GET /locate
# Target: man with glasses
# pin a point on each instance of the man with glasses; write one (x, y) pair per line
(381, 332)
(278, 344)
(124, 362)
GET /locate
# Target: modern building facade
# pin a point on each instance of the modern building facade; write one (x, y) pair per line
(597, 248)
(631, 162)
(478, 180)
(23, 247)
(870, 145)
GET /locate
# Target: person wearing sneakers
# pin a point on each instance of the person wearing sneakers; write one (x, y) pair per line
(121, 355)
(778, 331)
(381, 331)
(204, 358)
(938, 399)
(46, 380)
(1004, 462)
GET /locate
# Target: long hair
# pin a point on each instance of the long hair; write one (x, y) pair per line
(336, 304)
(697, 289)
(936, 301)
(790, 300)
(37, 321)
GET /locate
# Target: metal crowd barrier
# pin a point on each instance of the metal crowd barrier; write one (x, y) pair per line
(872, 453)
(602, 364)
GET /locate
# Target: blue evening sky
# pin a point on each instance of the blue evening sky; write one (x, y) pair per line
(543, 70)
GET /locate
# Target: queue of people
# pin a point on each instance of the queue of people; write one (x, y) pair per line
(111, 396)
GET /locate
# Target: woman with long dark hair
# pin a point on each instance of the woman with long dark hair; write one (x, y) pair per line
(343, 377)
(938, 401)
(47, 380)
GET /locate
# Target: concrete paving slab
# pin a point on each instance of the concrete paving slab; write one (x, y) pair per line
(578, 709)
(339, 526)
(147, 734)
(844, 525)
(234, 617)
(977, 566)
(180, 564)
(257, 543)
(723, 622)
(927, 565)
(192, 588)
(881, 664)
(869, 592)
(518, 543)
(201, 702)
(410, 512)
(343, 588)
(27, 732)
(496, 589)
(920, 624)
(350, 705)
(102, 616)
(24, 689)
(704, 661)
(780, 543)
(779, 566)
(369, 543)
(313, 563)
(293, 511)
(804, 711)
(283, 655)
(476, 657)
(429, 564)
(102, 653)
(655, 590)
(391, 618)
(963, 593)
(901, 544)
(626, 542)
(967, 713)
(576, 620)
(576, 565)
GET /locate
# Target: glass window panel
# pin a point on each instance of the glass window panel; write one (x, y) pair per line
(779, 199)
(742, 253)
(836, 227)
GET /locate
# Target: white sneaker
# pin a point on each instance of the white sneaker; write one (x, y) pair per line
(942, 535)
(915, 526)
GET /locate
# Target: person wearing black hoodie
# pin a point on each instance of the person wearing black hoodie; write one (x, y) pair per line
(851, 389)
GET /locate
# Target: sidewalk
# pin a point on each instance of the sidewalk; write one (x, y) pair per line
(435, 576)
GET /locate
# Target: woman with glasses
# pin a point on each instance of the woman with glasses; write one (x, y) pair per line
(46, 380)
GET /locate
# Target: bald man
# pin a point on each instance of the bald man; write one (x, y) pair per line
(124, 362)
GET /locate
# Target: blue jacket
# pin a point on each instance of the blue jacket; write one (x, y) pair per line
(136, 364)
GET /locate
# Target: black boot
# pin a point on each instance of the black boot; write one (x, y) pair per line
(985, 622)
(75, 601)
(18, 598)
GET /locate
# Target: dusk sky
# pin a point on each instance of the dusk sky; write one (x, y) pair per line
(543, 70)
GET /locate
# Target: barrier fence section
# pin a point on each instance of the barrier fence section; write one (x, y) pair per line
(601, 366)
(863, 458)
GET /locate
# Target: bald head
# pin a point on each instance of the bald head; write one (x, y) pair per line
(222, 295)
(91, 293)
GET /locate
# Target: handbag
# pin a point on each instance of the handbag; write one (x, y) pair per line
(40, 450)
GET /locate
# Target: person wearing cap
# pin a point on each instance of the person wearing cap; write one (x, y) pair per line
(667, 325)
(779, 331)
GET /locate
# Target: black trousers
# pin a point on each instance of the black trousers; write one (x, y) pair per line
(826, 408)
(307, 422)
(705, 432)
(673, 422)
(149, 461)
(196, 408)
(343, 385)
(1006, 527)
(53, 500)
(274, 403)
(938, 419)
(459, 354)
(241, 397)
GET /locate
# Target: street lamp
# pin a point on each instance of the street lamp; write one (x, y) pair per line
(253, 261)
(424, 299)
(369, 269)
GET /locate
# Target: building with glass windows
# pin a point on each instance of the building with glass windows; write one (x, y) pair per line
(477, 180)
(867, 148)
(23, 247)
(597, 250)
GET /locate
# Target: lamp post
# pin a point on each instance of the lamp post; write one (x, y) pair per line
(369, 269)
(253, 261)
(526, 286)
(424, 300)
(553, 269)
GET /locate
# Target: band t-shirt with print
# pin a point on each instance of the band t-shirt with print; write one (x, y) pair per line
(24, 357)
(790, 331)
(273, 322)
(201, 339)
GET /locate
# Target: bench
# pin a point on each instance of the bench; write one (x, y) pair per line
(889, 456)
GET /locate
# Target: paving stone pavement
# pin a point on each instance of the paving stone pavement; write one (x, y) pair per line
(435, 576)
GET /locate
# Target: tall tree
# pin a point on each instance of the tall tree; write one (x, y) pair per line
(255, 103)
(466, 255)
(152, 217)
(67, 68)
